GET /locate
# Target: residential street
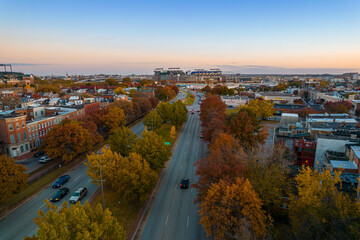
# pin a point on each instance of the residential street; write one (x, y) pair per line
(174, 214)
(20, 223)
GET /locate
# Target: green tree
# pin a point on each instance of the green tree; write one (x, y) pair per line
(152, 121)
(179, 113)
(112, 82)
(77, 222)
(12, 177)
(67, 140)
(152, 148)
(164, 109)
(261, 108)
(122, 140)
(233, 211)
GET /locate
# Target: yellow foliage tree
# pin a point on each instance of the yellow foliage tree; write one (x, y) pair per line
(172, 133)
(120, 90)
(12, 177)
(233, 211)
(114, 118)
(320, 210)
(131, 176)
(261, 108)
(77, 222)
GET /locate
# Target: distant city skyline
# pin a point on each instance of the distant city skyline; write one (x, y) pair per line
(124, 37)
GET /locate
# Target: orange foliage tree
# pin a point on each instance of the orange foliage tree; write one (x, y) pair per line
(224, 162)
(67, 140)
(233, 211)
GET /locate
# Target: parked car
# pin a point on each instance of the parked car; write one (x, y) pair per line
(38, 154)
(78, 195)
(44, 159)
(184, 183)
(59, 194)
(61, 181)
(192, 112)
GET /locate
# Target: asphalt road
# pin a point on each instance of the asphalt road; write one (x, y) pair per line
(174, 214)
(20, 223)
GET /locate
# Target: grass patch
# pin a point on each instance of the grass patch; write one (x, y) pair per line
(189, 99)
(125, 213)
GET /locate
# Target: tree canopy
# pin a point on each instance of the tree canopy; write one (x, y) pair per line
(122, 140)
(152, 121)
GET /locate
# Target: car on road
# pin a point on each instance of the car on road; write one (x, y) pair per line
(201, 135)
(61, 181)
(59, 194)
(198, 110)
(192, 112)
(44, 159)
(184, 183)
(38, 154)
(78, 195)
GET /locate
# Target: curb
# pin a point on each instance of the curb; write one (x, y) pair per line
(140, 223)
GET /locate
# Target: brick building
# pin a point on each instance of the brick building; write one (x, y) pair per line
(13, 134)
(91, 107)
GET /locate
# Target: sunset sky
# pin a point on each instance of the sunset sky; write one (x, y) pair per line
(133, 36)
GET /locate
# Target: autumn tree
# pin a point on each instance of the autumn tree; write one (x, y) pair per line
(261, 108)
(120, 90)
(214, 125)
(175, 88)
(233, 211)
(206, 89)
(91, 127)
(152, 121)
(246, 128)
(224, 162)
(164, 93)
(9, 103)
(319, 210)
(127, 107)
(122, 140)
(211, 104)
(113, 119)
(77, 222)
(67, 140)
(12, 177)
(112, 82)
(130, 176)
(172, 133)
(154, 101)
(127, 80)
(338, 107)
(141, 105)
(152, 148)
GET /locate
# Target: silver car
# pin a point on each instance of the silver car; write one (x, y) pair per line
(44, 159)
(78, 195)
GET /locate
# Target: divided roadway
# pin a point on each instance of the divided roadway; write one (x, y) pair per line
(19, 223)
(173, 214)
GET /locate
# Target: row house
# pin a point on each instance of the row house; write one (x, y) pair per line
(13, 134)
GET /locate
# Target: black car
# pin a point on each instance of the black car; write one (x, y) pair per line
(61, 181)
(59, 194)
(184, 183)
(39, 154)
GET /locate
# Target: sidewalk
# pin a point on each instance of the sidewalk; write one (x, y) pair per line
(25, 156)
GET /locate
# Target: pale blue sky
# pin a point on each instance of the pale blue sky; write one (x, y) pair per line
(138, 36)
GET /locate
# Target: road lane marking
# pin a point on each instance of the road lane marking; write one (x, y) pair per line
(167, 218)
(187, 224)
(76, 178)
(42, 205)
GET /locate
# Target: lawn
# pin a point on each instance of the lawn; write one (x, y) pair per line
(125, 213)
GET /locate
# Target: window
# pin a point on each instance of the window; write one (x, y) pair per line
(23, 124)
(42, 113)
(21, 148)
(12, 138)
(43, 133)
(28, 129)
(26, 147)
(42, 125)
(41, 140)
(30, 136)
(45, 124)
(35, 127)
(39, 126)
(10, 127)
(30, 145)
(24, 135)
(17, 126)
(33, 135)
(36, 114)
(32, 129)
(37, 135)
(40, 133)
(19, 137)
(7, 151)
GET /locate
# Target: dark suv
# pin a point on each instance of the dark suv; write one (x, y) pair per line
(61, 181)
(184, 183)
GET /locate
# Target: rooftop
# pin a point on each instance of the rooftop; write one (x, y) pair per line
(343, 164)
